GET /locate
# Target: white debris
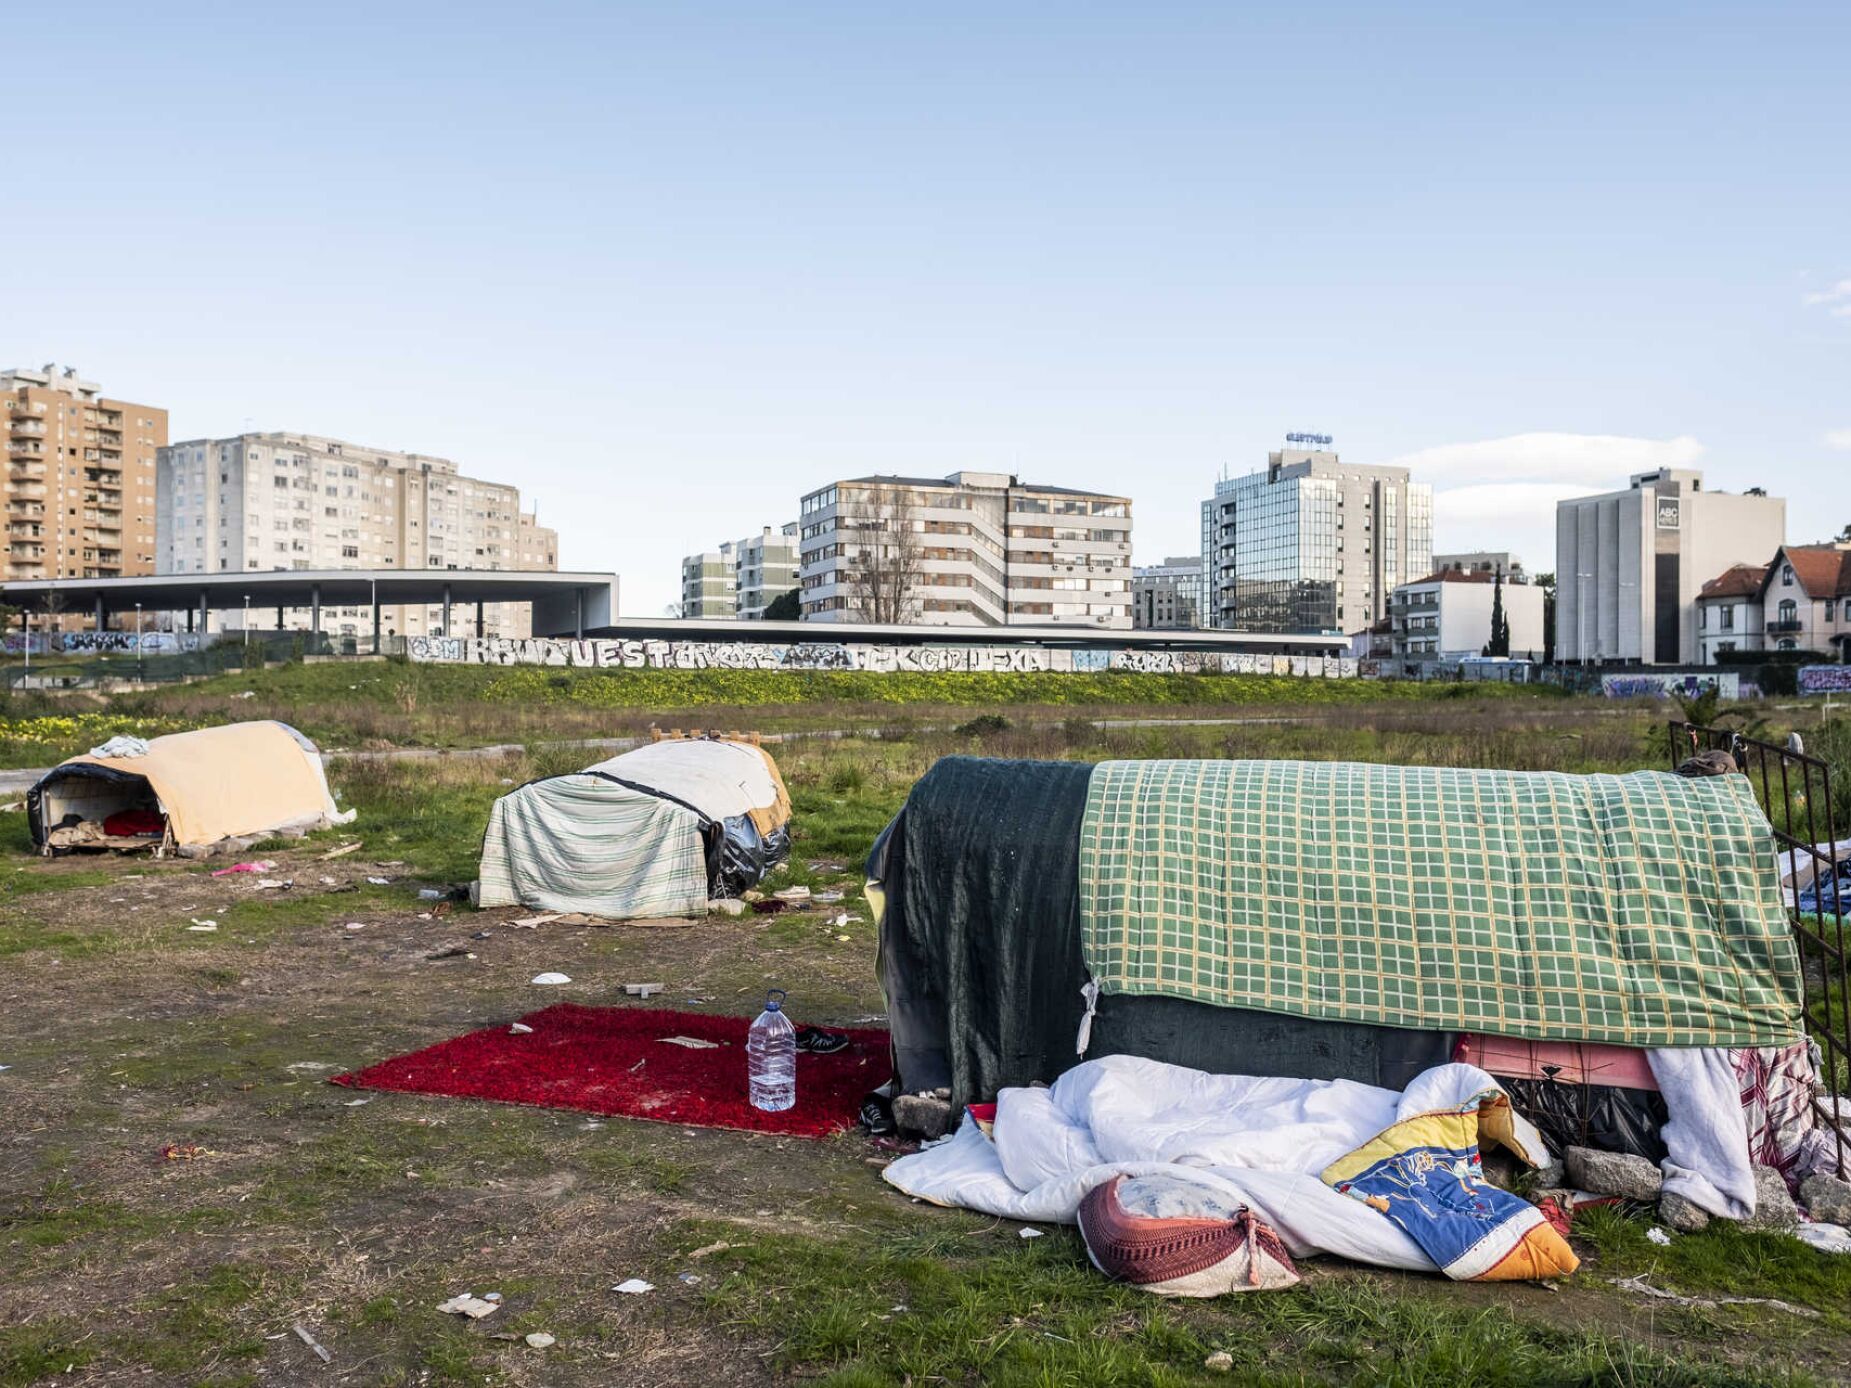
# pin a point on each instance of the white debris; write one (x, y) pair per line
(1659, 1237)
(1827, 1238)
(1029, 1234)
(468, 1304)
(539, 1339)
(634, 1287)
(205, 926)
(533, 922)
(519, 1029)
(549, 980)
(693, 1043)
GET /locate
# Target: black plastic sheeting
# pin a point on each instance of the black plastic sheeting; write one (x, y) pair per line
(35, 797)
(738, 856)
(1607, 1117)
(981, 961)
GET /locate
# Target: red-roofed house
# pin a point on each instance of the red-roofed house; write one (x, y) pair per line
(1729, 612)
(1806, 599)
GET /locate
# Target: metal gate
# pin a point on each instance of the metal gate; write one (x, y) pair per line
(1795, 791)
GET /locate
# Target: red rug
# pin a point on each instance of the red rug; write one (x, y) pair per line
(612, 1060)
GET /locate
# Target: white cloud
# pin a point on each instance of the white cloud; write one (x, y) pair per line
(1836, 300)
(1601, 461)
(1839, 439)
(1501, 493)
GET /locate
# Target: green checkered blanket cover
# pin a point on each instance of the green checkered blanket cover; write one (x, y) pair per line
(1640, 910)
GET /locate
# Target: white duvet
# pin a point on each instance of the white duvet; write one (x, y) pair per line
(1261, 1142)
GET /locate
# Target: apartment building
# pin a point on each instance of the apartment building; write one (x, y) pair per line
(1629, 565)
(1447, 615)
(765, 568)
(1483, 561)
(80, 477)
(259, 502)
(1312, 543)
(970, 549)
(1168, 596)
(709, 584)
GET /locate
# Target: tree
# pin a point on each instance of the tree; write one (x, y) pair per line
(881, 554)
(1546, 582)
(1499, 645)
(785, 607)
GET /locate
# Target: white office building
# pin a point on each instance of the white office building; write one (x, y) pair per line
(1447, 616)
(1629, 565)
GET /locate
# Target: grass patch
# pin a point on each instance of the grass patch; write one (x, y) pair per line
(41, 1350)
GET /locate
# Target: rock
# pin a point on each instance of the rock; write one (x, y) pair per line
(1220, 1362)
(1555, 1174)
(1675, 1212)
(1774, 1207)
(923, 1114)
(1613, 1173)
(1827, 1199)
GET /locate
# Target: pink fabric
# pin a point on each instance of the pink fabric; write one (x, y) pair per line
(1777, 1092)
(1569, 1062)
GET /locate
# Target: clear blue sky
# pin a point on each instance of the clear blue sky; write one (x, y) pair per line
(668, 267)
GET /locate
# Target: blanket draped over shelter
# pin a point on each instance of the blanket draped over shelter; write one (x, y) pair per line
(1639, 910)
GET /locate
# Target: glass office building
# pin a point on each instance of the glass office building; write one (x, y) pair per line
(1313, 545)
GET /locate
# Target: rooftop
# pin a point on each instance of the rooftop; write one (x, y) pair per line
(1738, 581)
(1824, 571)
(881, 479)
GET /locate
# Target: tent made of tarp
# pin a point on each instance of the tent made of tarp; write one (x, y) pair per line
(657, 831)
(1317, 920)
(184, 791)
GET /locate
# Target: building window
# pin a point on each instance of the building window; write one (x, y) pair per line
(1728, 619)
(1789, 611)
(1786, 575)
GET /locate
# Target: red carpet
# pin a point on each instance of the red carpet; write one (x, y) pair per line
(585, 1058)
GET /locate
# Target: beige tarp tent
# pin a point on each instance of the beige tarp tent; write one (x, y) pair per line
(207, 786)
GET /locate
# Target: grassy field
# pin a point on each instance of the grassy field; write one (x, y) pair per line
(354, 1215)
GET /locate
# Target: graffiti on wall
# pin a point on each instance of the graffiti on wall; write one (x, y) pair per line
(622, 654)
(1825, 679)
(1664, 686)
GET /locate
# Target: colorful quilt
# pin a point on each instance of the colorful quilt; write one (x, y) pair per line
(1425, 1174)
(1638, 910)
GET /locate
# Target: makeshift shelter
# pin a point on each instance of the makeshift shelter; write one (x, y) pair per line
(185, 792)
(654, 832)
(1230, 965)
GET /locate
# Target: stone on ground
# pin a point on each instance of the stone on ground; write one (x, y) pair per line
(1774, 1207)
(1613, 1173)
(1827, 1198)
(1675, 1212)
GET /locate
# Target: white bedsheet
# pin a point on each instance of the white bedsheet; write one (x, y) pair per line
(1261, 1142)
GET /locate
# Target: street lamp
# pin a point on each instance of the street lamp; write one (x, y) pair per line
(139, 668)
(247, 619)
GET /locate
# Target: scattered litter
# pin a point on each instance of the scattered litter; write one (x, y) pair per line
(343, 850)
(533, 922)
(1220, 1362)
(302, 1066)
(430, 894)
(356, 1103)
(830, 895)
(468, 1304)
(519, 1029)
(121, 745)
(390, 862)
(843, 938)
(549, 980)
(182, 1151)
(321, 1352)
(634, 1287)
(452, 952)
(767, 906)
(480, 935)
(693, 1043)
(356, 925)
(205, 925)
(376, 881)
(275, 884)
(539, 1339)
(261, 865)
(727, 906)
(1659, 1237)
(492, 1296)
(642, 990)
(247, 694)
(5, 1068)
(792, 895)
(827, 865)
(690, 1279)
(639, 1065)
(720, 1247)
(1639, 1285)
(1029, 1234)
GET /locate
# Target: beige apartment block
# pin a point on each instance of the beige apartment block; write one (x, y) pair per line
(991, 550)
(80, 477)
(261, 502)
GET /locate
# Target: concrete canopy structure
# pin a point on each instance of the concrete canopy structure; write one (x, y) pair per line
(563, 604)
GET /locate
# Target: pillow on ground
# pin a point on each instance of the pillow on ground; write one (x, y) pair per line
(1173, 1237)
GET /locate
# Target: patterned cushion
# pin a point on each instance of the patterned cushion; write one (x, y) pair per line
(1174, 1237)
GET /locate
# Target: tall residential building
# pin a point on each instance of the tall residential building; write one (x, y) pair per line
(971, 549)
(1629, 565)
(1313, 544)
(80, 477)
(765, 569)
(1168, 596)
(260, 502)
(709, 584)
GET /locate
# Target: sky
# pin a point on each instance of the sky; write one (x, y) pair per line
(667, 268)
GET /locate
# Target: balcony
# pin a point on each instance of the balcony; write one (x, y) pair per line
(1785, 624)
(28, 429)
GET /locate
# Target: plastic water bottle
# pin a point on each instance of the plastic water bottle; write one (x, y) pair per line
(771, 1057)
